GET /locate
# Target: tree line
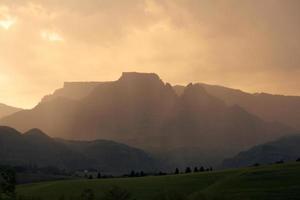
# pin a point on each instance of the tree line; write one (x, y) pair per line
(134, 173)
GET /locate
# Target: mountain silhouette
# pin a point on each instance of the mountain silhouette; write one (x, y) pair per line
(35, 148)
(283, 149)
(272, 108)
(6, 110)
(140, 110)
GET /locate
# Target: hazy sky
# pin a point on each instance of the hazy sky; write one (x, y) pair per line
(253, 45)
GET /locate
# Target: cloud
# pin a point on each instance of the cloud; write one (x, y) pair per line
(250, 44)
(51, 36)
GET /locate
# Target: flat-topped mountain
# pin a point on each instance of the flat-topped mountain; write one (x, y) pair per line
(79, 90)
(6, 110)
(139, 109)
(35, 148)
(280, 108)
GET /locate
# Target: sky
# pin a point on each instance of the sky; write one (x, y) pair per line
(253, 45)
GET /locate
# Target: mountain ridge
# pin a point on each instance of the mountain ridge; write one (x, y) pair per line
(36, 148)
(140, 110)
(269, 107)
(6, 110)
(284, 149)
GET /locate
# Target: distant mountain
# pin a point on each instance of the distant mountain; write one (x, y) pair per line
(141, 110)
(73, 90)
(35, 148)
(6, 110)
(285, 149)
(280, 108)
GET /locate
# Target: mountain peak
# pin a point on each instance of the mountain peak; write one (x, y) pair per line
(137, 76)
(195, 90)
(195, 94)
(9, 130)
(36, 133)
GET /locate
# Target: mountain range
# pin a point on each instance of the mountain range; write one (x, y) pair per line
(35, 148)
(189, 124)
(283, 149)
(269, 107)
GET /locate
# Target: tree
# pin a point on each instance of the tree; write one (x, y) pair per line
(117, 193)
(202, 169)
(132, 174)
(7, 182)
(256, 165)
(142, 174)
(298, 160)
(196, 169)
(137, 174)
(90, 176)
(98, 175)
(87, 194)
(188, 170)
(176, 171)
(161, 173)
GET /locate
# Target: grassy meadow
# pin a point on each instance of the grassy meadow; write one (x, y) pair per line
(277, 181)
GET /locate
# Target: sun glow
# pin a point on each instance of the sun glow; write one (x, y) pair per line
(7, 23)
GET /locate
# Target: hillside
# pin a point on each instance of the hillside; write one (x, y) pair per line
(36, 148)
(6, 110)
(280, 108)
(259, 183)
(285, 149)
(140, 110)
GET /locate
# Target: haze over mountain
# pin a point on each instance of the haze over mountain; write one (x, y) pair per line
(6, 110)
(283, 149)
(141, 110)
(35, 148)
(280, 108)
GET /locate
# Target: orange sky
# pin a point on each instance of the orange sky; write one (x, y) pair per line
(253, 45)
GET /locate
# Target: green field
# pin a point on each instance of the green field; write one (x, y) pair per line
(281, 181)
